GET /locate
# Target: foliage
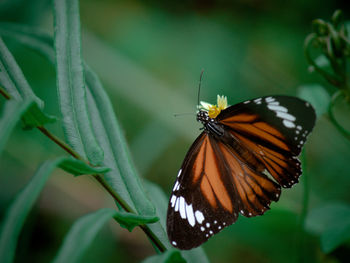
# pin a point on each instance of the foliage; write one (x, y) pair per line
(332, 38)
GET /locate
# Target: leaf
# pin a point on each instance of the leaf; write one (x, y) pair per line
(331, 222)
(81, 235)
(35, 117)
(70, 81)
(31, 37)
(123, 176)
(130, 220)
(170, 256)
(77, 167)
(323, 62)
(335, 235)
(12, 78)
(18, 211)
(14, 82)
(12, 112)
(317, 96)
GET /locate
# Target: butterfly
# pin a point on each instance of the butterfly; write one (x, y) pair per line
(238, 164)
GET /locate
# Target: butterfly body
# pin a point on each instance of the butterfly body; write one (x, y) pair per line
(237, 165)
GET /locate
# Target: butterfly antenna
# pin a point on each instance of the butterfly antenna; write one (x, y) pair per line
(183, 114)
(199, 86)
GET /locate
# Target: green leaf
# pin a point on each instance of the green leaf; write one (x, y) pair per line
(323, 62)
(81, 235)
(12, 112)
(12, 78)
(130, 220)
(77, 167)
(18, 211)
(35, 117)
(15, 84)
(123, 176)
(70, 81)
(170, 256)
(331, 222)
(335, 235)
(317, 96)
(31, 37)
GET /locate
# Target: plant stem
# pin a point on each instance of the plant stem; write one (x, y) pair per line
(160, 246)
(60, 143)
(4, 93)
(340, 128)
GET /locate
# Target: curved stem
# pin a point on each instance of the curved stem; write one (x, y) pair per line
(160, 246)
(339, 127)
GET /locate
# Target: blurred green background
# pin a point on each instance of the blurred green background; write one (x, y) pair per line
(149, 55)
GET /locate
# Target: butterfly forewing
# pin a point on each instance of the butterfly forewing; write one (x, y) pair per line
(240, 168)
(280, 121)
(200, 204)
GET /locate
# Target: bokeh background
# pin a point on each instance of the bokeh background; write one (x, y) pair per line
(149, 55)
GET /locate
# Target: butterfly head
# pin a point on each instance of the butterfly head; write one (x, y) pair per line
(203, 117)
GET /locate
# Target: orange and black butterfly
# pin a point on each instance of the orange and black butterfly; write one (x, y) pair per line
(237, 165)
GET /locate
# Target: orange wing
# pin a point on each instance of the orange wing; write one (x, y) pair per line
(268, 145)
(254, 189)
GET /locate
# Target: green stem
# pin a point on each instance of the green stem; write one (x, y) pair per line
(160, 246)
(339, 127)
(60, 143)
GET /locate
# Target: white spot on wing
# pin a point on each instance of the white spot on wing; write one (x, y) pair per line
(269, 99)
(172, 200)
(176, 186)
(285, 116)
(182, 208)
(190, 215)
(199, 216)
(202, 228)
(177, 204)
(179, 173)
(277, 108)
(207, 225)
(288, 124)
(174, 243)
